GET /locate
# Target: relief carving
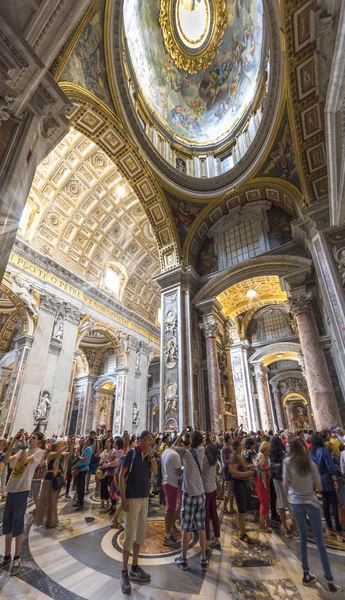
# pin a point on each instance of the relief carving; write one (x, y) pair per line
(171, 353)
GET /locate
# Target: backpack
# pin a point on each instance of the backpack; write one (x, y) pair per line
(119, 467)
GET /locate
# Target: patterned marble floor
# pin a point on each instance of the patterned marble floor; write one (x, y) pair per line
(81, 559)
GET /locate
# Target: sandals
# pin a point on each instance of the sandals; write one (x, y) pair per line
(245, 538)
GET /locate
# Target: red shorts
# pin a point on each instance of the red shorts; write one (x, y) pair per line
(172, 497)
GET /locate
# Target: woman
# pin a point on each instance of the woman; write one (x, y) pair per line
(240, 474)
(106, 463)
(53, 481)
(133, 440)
(322, 457)
(277, 455)
(166, 443)
(37, 479)
(209, 474)
(249, 450)
(262, 485)
(119, 453)
(71, 457)
(301, 476)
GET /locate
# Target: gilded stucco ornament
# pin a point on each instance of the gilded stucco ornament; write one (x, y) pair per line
(192, 55)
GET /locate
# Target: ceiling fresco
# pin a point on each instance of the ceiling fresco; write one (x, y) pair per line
(236, 300)
(206, 106)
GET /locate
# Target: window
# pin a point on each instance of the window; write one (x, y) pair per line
(115, 279)
(242, 242)
(227, 162)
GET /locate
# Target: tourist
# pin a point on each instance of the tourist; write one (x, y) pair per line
(71, 455)
(336, 444)
(323, 459)
(340, 433)
(240, 474)
(249, 450)
(108, 436)
(193, 498)
(166, 443)
(301, 476)
(82, 468)
(209, 473)
(105, 458)
(134, 489)
(23, 465)
(171, 473)
(277, 455)
(262, 485)
(95, 458)
(117, 457)
(52, 484)
(37, 479)
(228, 484)
(157, 478)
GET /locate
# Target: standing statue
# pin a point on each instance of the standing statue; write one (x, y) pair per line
(58, 328)
(137, 360)
(41, 413)
(135, 415)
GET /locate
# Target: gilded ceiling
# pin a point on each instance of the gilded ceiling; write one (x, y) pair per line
(239, 298)
(85, 215)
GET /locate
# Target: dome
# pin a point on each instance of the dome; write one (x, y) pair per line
(197, 63)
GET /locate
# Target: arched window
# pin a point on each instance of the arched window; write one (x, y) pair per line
(115, 279)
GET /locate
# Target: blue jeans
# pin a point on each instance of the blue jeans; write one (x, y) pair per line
(300, 512)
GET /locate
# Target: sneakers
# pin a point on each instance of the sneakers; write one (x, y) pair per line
(208, 551)
(334, 588)
(181, 563)
(16, 565)
(5, 562)
(309, 579)
(216, 545)
(203, 564)
(171, 542)
(125, 583)
(139, 574)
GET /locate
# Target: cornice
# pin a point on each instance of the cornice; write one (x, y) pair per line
(47, 263)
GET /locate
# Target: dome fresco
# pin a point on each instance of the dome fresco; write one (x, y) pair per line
(206, 106)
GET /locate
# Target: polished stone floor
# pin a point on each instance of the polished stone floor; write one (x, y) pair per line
(81, 558)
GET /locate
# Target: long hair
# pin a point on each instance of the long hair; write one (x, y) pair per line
(299, 457)
(317, 442)
(277, 450)
(211, 453)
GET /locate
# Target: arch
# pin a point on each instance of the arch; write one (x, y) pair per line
(278, 192)
(268, 354)
(292, 395)
(28, 323)
(8, 360)
(103, 379)
(97, 122)
(278, 265)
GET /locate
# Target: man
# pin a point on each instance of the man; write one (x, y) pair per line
(171, 472)
(95, 457)
(228, 484)
(83, 467)
(193, 512)
(107, 437)
(23, 465)
(134, 492)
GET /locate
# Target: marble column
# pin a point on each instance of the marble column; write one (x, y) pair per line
(35, 372)
(277, 404)
(263, 400)
(242, 384)
(63, 384)
(230, 387)
(210, 329)
(23, 344)
(322, 398)
(118, 424)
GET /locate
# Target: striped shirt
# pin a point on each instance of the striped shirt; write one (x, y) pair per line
(192, 481)
(209, 476)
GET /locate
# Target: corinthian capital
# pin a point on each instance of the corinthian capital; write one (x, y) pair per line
(50, 302)
(73, 313)
(300, 303)
(209, 327)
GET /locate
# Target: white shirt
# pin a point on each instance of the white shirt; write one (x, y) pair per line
(21, 476)
(342, 462)
(170, 461)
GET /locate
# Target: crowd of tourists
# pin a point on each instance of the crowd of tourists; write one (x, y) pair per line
(286, 480)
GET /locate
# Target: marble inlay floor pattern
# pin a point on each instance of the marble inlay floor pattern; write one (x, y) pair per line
(81, 559)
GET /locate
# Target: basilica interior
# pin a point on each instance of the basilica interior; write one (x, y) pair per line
(172, 245)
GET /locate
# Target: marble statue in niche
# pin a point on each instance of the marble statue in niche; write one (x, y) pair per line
(135, 415)
(171, 405)
(41, 412)
(137, 360)
(103, 416)
(170, 353)
(58, 328)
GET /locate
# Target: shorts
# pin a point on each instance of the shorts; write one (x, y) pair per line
(193, 512)
(135, 522)
(35, 488)
(14, 513)
(229, 488)
(93, 467)
(282, 498)
(241, 493)
(172, 497)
